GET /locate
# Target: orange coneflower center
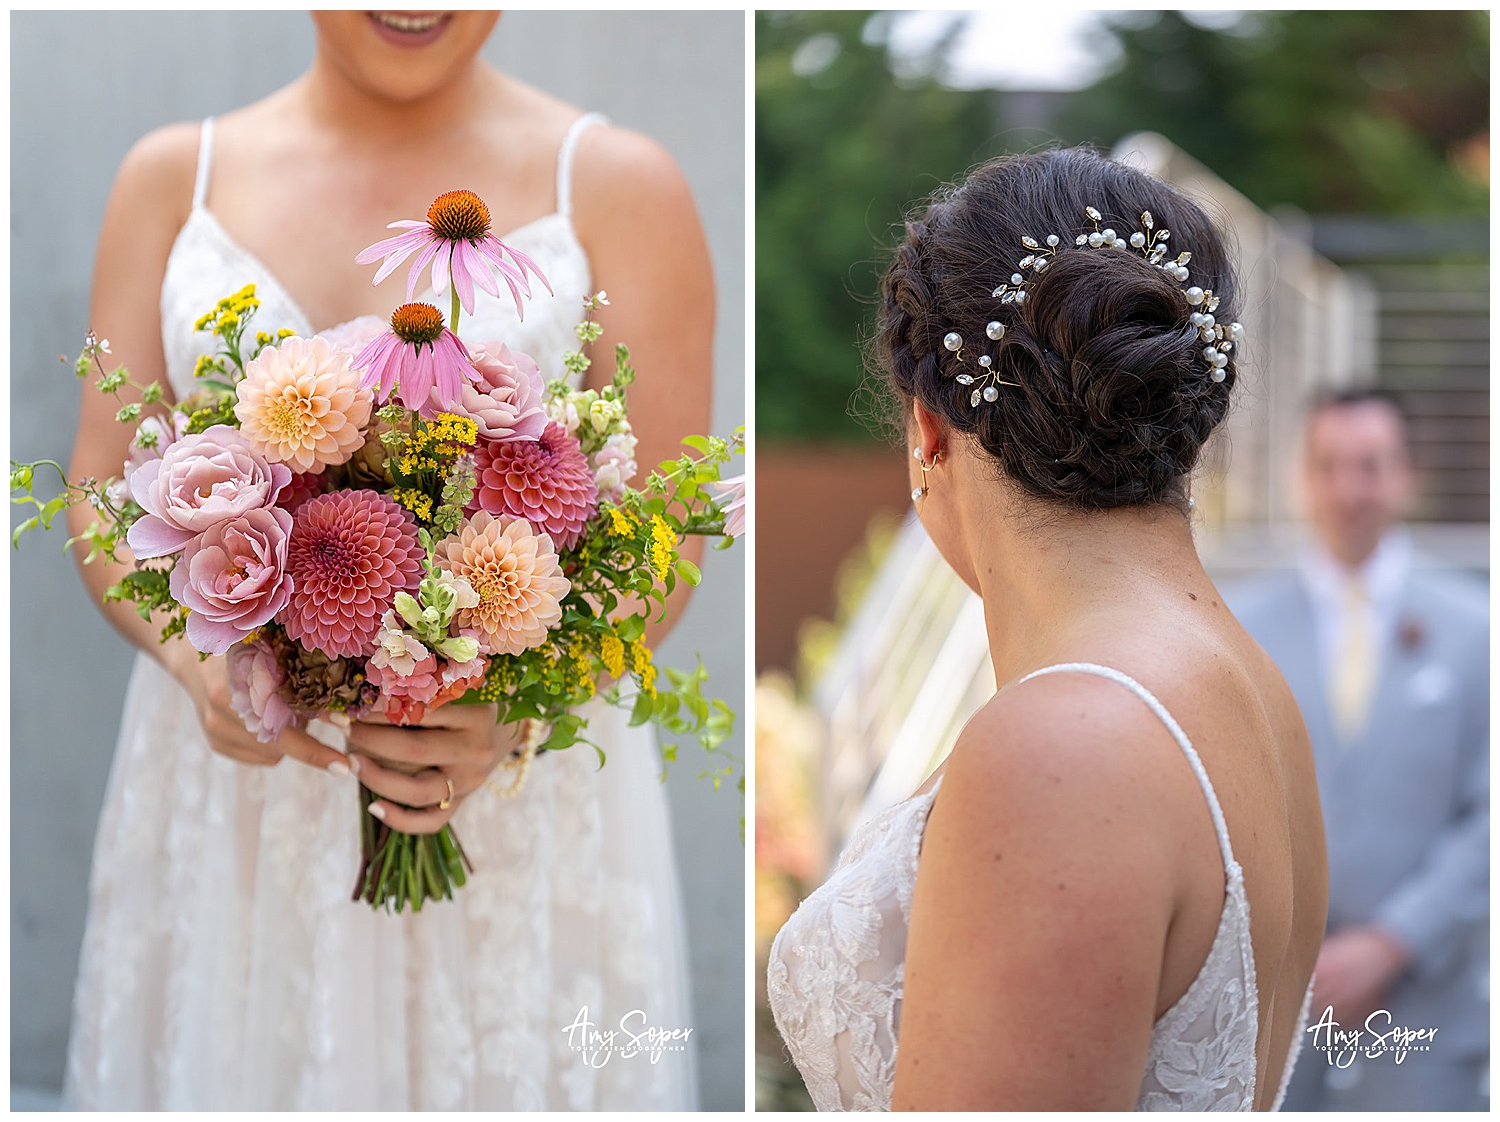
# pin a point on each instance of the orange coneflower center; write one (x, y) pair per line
(459, 216)
(417, 323)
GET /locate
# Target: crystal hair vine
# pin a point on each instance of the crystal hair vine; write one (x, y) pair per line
(1151, 242)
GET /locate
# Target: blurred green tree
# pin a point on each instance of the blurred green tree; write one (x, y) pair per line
(1378, 112)
(842, 147)
(1331, 111)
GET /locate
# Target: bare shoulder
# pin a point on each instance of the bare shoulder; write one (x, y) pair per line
(1065, 771)
(155, 180)
(622, 173)
(1076, 731)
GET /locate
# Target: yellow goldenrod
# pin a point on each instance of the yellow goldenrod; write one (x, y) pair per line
(663, 542)
(612, 654)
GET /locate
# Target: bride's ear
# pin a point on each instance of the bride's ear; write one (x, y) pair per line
(932, 433)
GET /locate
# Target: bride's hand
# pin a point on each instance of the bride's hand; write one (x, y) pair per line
(444, 759)
(207, 682)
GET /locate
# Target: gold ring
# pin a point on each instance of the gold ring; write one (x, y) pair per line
(446, 803)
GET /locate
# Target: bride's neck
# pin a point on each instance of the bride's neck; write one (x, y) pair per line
(1057, 583)
(342, 105)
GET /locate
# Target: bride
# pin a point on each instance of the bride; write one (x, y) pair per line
(1113, 892)
(224, 965)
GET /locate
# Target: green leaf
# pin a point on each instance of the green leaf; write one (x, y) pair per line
(689, 572)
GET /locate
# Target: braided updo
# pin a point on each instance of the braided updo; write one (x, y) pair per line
(1112, 401)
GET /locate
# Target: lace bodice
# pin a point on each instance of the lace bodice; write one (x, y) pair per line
(836, 970)
(206, 263)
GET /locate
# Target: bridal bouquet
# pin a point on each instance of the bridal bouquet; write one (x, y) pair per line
(381, 521)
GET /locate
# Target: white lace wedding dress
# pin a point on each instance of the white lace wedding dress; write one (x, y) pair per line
(835, 974)
(224, 965)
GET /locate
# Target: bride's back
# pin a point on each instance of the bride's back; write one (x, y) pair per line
(1081, 905)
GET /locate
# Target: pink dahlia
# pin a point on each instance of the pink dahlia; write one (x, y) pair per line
(200, 481)
(233, 578)
(350, 553)
(416, 358)
(515, 574)
(304, 485)
(303, 404)
(456, 238)
(548, 482)
(255, 681)
(509, 402)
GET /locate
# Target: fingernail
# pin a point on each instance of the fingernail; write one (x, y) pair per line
(354, 764)
(338, 768)
(378, 811)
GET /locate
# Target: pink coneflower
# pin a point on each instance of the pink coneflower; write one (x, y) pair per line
(417, 355)
(456, 238)
(350, 553)
(548, 482)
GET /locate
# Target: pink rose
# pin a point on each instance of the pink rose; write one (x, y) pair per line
(356, 334)
(201, 481)
(232, 578)
(255, 681)
(509, 404)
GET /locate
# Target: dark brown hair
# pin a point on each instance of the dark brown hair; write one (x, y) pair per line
(1113, 400)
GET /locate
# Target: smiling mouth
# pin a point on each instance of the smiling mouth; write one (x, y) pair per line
(409, 24)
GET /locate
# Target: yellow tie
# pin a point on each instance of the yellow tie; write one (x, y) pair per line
(1354, 672)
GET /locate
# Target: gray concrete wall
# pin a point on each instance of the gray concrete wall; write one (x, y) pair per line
(84, 87)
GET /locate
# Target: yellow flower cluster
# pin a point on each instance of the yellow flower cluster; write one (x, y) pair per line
(227, 313)
(621, 523)
(663, 543)
(439, 444)
(640, 662)
(583, 673)
(414, 501)
(264, 339)
(411, 463)
(612, 654)
(207, 365)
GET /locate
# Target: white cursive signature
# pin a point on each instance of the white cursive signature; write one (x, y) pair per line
(1343, 1044)
(597, 1045)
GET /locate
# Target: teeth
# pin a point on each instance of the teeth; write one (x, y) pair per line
(408, 23)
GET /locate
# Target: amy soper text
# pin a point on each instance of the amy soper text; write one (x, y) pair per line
(634, 1037)
(1342, 1045)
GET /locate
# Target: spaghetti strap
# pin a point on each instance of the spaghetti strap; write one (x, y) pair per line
(565, 161)
(205, 161)
(1217, 813)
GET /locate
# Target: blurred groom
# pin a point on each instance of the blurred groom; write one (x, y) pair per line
(1389, 661)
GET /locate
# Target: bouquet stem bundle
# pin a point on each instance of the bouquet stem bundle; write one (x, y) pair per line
(397, 869)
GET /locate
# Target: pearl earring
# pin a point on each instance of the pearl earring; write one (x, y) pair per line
(920, 492)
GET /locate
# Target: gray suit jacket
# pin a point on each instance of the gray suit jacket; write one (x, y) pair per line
(1406, 803)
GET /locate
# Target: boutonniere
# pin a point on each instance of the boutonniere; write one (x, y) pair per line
(1411, 634)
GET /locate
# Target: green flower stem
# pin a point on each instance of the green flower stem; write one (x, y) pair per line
(453, 322)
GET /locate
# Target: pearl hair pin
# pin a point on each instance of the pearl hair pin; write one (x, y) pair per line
(1151, 242)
